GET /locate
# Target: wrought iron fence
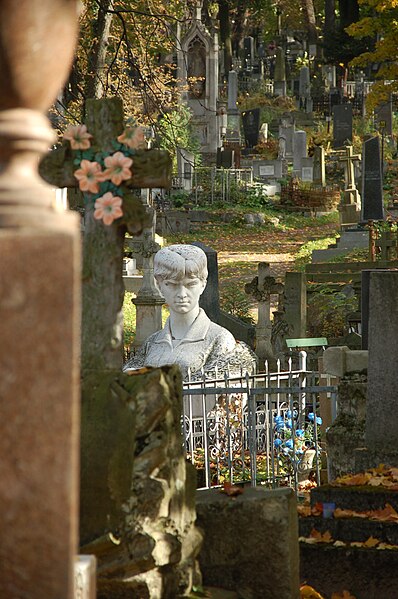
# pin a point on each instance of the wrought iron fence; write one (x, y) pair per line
(256, 428)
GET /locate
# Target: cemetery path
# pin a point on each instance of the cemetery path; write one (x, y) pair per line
(239, 254)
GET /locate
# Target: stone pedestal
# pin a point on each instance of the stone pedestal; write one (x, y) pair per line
(39, 410)
(149, 547)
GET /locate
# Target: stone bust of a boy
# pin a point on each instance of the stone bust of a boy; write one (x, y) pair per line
(189, 338)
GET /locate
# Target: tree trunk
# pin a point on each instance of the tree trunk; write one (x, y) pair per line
(225, 34)
(95, 86)
(330, 17)
(308, 7)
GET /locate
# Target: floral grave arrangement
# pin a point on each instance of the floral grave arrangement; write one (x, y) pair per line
(293, 437)
(101, 174)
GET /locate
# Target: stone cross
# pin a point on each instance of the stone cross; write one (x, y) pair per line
(39, 311)
(350, 207)
(261, 288)
(103, 289)
(107, 417)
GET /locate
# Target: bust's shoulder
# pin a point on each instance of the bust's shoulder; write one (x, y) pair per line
(218, 333)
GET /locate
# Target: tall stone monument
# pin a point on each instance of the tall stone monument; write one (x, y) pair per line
(372, 181)
(280, 73)
(198, 71)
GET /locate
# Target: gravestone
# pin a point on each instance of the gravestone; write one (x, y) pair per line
(342, 125)
(299, 150)
(280, 73)
(248, 50)
(286, 131)
(210, 298)
(40, 313)
(210, 301)
(260, 289)
(233, 117)
(263, 134)
(305, 89)
(185, 166)
(251, 125)
(372, 186)
(232, 90)
(319, 173)
(350, 205)
(307, 169)
(335, 97)
(329, 74)
(383, 114)
(295, 303)
(225, 157)
(381, 433)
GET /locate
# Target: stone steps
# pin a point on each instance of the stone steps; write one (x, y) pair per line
(350, 530)
(359, 499)
(366, 572)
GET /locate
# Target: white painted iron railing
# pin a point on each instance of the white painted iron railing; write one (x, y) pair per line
(256, 428)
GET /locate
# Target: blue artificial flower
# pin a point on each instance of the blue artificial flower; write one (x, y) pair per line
(277, 443)
(318, 420)
(279, 426)
(311, 416)
(289, 423)
(299, 433)
(278, 419)
(289, 443)
(289, 413)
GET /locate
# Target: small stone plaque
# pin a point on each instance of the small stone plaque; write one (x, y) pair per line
(267, 170)
(307, 173)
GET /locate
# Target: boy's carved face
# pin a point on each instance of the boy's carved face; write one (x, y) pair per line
(182, 295)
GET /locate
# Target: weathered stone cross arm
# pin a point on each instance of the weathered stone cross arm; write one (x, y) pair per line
(151, 168)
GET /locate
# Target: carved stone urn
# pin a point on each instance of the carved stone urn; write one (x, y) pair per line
(37, 44)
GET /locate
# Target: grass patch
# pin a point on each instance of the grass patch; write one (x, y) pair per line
(303, 256)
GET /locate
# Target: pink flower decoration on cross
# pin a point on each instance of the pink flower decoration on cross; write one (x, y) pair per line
(108, 208)
(78, 136)
(117, 168)
(133, 138)
(89, 175)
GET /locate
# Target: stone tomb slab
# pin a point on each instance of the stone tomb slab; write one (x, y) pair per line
(250, 542)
